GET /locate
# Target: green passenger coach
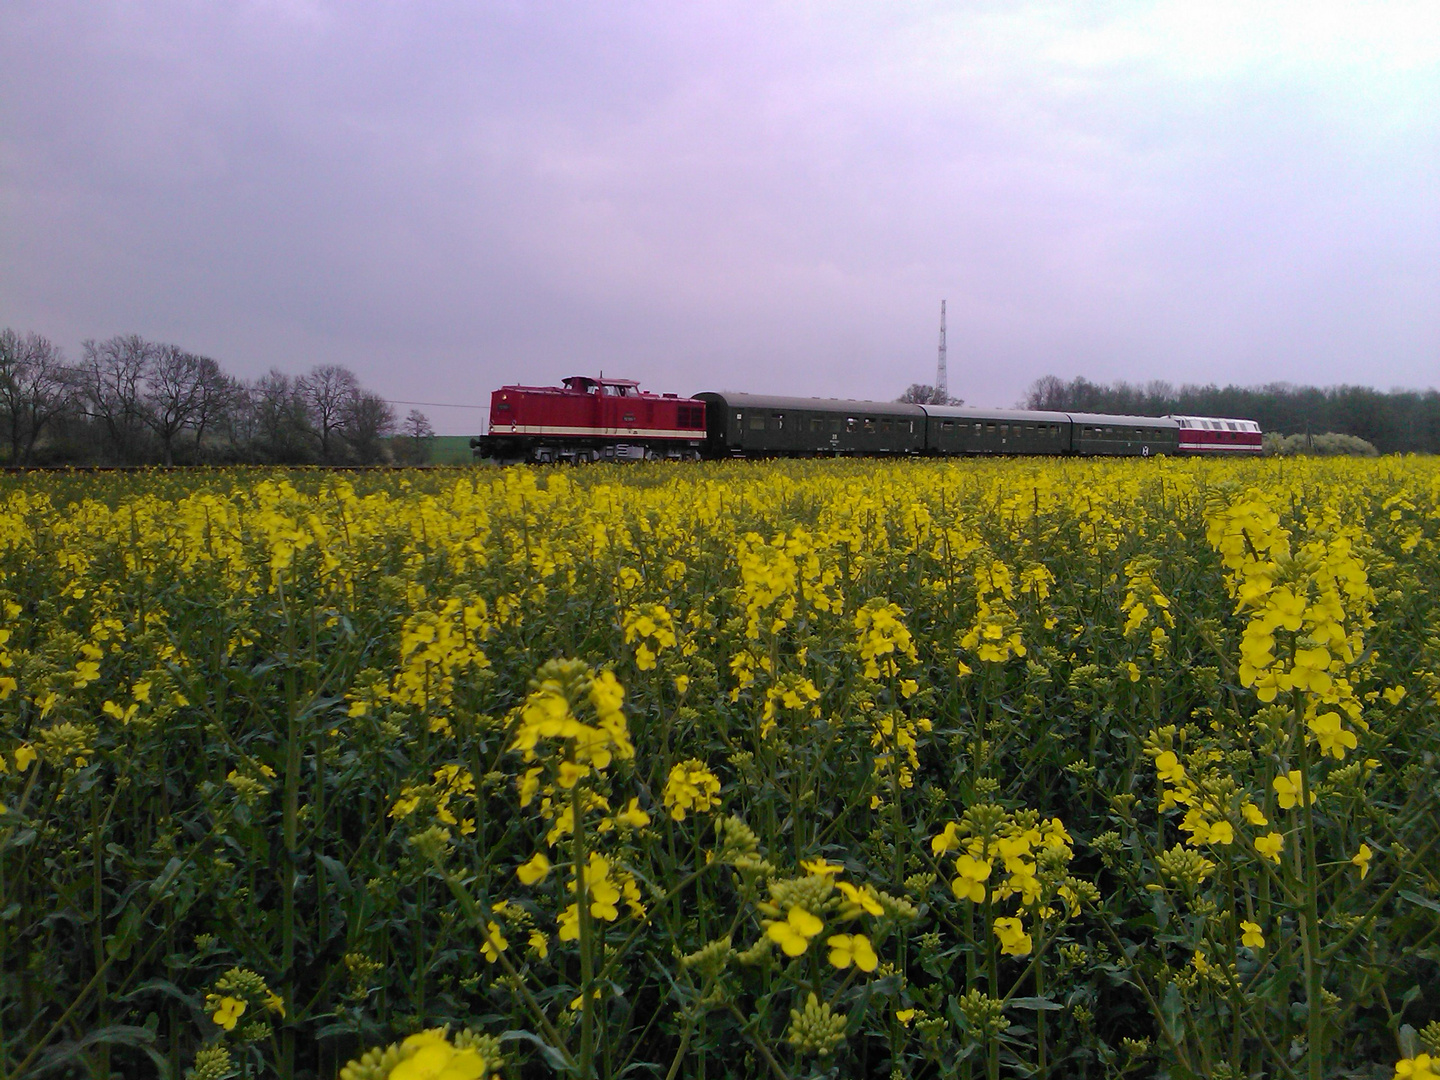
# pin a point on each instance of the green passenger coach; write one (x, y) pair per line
(754, 425)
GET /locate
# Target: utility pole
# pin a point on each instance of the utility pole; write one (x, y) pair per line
(942, 391)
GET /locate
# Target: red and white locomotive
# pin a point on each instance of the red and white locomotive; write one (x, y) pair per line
(1211, 436)
(591, 420)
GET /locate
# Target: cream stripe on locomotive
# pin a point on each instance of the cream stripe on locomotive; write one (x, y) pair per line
(597, 433)
(1221, 448)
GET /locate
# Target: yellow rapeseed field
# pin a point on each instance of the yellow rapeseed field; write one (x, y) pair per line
(845, 768)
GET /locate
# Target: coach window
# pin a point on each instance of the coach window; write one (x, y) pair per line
(990, 430)
(757, 422)
(779, 419)
(885, 426)
(834, 423)
(947, 425)
(817, 424)
(851, 423)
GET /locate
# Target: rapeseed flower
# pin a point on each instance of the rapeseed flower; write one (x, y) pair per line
(1270, 845)
(1361, 860)
(228, 1012)
(432, 1057)
(1014, 941)
(847, 949)
(1288, 789)
(1420, 1067)
(794, 933)
(533, 870)
(690, 786)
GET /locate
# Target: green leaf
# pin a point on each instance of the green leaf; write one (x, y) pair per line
(1038, 1003)
(1423, 901)
(550, 1054)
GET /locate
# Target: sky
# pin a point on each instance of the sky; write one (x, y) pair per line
(451, 195)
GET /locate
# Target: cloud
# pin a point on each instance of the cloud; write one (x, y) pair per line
(759, 196)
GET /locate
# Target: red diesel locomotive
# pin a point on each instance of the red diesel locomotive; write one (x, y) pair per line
(591, 420)
(1216, 436)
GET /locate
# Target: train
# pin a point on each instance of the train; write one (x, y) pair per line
(599, 419)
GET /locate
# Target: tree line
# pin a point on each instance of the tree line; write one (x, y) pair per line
(1400, 421)
(129, 401)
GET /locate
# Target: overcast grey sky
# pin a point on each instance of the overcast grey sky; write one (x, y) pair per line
(771, 197)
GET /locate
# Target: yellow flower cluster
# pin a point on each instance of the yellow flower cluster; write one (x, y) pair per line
(883, 637)
(1318, 596)
(548, 713)
(995, 636)
(796, 905)
(1020, 843)
(606, 886)
(653, 627)
(691, 786)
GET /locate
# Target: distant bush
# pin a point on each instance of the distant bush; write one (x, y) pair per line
(1331, 444)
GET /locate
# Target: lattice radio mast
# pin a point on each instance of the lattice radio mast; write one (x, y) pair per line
(942, 391)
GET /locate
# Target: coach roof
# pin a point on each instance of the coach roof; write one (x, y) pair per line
(815, 404)
(963, 412)
(1110, 420)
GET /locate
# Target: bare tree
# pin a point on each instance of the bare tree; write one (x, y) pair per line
(112, 378)
(368, 421)
(172, 394)
(218, 396)
(278, 419)
(924, 394)
(36, 388)
(329, 392)
(419, 431)
(1048, 392)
